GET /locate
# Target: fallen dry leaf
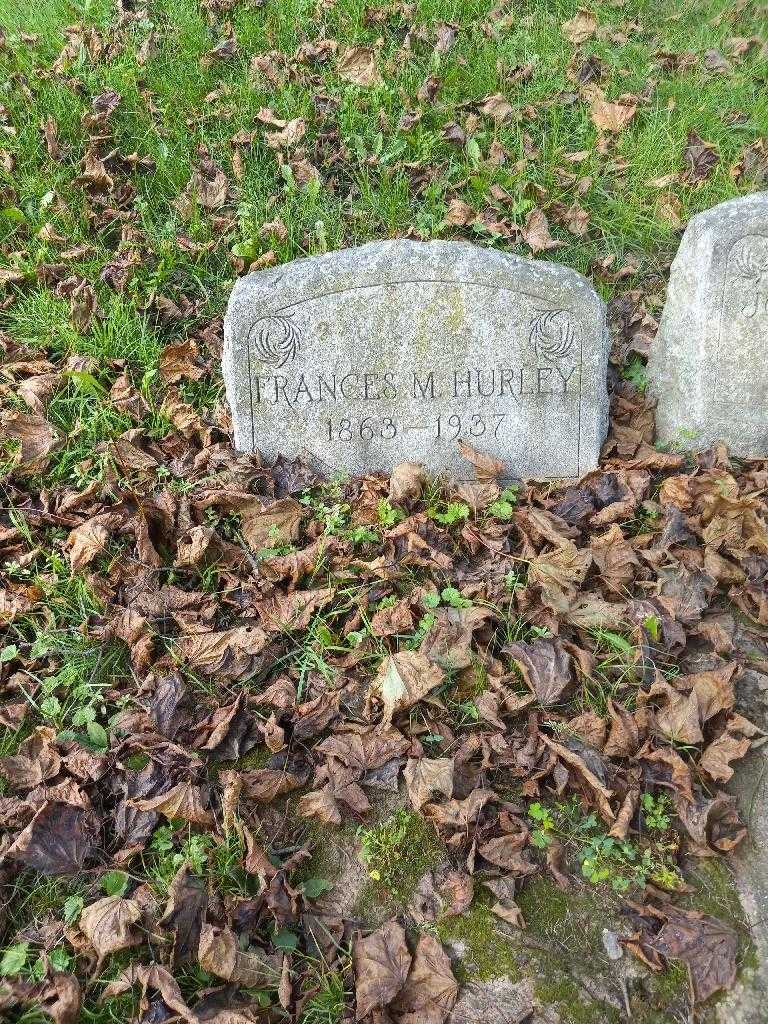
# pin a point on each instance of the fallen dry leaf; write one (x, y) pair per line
(430, 990)
(497, 107)
(32, 440)
(546, 668)
(536, 233)
(357, 64)
(219, 955)
(700, 158)
(424, 777)
(184, 801)
(581, 27)
(381, 963)
(184, 914)
(57, 841)
(231, 654)
(403, 679)
(612, 116)
(108, 925)
(707, 946)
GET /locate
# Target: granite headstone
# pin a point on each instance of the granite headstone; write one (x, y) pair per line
(396, 350)
(708, 366)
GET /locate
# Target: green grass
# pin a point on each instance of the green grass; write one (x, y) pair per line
(377, 177)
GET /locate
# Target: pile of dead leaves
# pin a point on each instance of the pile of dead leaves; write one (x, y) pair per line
(673, 559)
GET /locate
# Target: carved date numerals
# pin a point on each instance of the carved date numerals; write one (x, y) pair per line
(366, 429)
(450, 428)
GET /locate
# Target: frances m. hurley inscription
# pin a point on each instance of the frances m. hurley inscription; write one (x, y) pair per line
(709, 363)
(396, 350)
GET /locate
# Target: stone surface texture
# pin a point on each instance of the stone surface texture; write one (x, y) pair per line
(709, 364)
(746, 1002)
(396, 350)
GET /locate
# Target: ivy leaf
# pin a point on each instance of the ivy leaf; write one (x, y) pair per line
(314, 887)
(114, 883)
(14, 958)
(8, 653)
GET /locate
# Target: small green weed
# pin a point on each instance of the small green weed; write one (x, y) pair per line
(335, 515)
(541, 836)
(72, 697)
(20, 960)
(219, 860)
(657, 811)
(625, 865)
(514, 581)
(114, 883)
(448, 513)
(504, 506)
(636, 373)
(454, 599)
(388, 514)
(381, 846)
(621, 863)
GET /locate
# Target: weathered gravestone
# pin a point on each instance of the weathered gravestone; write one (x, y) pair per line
(394, 351)
(709, 364)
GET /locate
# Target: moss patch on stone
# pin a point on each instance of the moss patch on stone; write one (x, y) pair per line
(401, 849)
(572, 1007)
(483, 951)
(716, 894)
(574, 919)
(255, 758)
(662, 995)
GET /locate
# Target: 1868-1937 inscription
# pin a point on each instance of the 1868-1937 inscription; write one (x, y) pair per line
(395, 351)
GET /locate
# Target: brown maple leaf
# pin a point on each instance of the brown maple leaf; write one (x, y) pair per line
(546, 668)
(381, 963)
(403, 679)
(706, 945)
(430, 990)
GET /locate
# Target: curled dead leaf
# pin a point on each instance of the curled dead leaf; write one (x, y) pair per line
(32, 440)
(357, 64)
(581, 27)
(184, 801)
(108, 925)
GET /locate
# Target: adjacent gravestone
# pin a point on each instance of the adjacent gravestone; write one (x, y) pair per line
(394, 351)
(709, 363)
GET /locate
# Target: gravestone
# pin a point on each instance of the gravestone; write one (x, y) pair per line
(708, 367)
(394, 351)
